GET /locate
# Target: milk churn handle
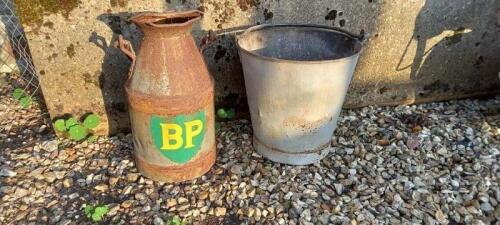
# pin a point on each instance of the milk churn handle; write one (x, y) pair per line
(126, 48)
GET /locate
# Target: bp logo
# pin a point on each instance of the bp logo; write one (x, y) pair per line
(178, 138)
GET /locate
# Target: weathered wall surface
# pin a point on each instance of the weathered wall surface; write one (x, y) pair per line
(416, 50)
(72, 47)
(7, 38)
(7, 59)
(427, 51)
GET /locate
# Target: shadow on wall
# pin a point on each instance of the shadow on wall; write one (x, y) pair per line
(113, 73)
(220, 51)
(115, 67)
(15, 54)
(447, 43)
(16, 57)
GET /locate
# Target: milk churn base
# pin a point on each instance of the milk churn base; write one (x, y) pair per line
(188, 171)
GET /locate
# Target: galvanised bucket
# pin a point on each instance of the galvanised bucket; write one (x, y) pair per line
(296, 79)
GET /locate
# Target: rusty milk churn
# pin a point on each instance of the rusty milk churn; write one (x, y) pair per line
(170, 95)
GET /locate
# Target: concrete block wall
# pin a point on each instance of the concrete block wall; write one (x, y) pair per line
(416, 51)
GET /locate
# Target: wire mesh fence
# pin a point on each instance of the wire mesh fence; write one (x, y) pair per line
(15, 58)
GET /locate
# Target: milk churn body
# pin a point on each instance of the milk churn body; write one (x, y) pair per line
(170, 95)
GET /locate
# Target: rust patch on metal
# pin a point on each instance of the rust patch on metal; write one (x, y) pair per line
(304, 125)
(171, 105)
(175, 173)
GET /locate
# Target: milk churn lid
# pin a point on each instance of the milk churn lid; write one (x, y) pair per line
(167, 19)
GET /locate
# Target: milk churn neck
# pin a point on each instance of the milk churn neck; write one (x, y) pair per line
(167, 23)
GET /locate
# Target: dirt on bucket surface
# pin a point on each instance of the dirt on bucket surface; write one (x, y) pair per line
(431, 163)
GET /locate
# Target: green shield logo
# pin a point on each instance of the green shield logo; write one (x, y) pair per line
(178, 138)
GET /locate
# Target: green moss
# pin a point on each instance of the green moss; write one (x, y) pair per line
(31, 12)
(121, 3)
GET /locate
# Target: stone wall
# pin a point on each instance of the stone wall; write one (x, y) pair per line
(416, 51)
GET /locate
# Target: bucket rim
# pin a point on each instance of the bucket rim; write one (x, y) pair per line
(358, 39)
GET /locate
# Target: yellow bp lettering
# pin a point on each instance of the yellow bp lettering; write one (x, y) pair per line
(193, 129)
(178, 138)
(172, 136)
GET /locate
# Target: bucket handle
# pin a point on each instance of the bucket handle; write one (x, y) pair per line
(127, 49)
(360, 37)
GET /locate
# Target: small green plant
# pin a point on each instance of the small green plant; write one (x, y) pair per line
(176, 221)
(226, 113)
(95, 213)
(22, 97)
(76, 130)
(92, 139)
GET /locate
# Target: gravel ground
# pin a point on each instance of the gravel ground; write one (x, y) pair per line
(433, 164)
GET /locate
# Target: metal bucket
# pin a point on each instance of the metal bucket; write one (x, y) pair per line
(296, 79)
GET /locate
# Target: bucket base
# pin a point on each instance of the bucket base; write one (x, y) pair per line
(188, 171)
(297, 159)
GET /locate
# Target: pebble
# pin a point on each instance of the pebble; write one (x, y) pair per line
(486, 207)
(113, 181)
(50, 177)
(182, 200)
(203, 195)
(6, 172)
(339, 188)
(102, 187)
(432, 164)
(20, 192)
(113, 209)
(132, 177)
(441, 217)
(237, 169)
(442, 151)
(73, 195)
(171, 203)
(220, 211)
(67, 183)
(306, 215)
(50, 146)
(128, 203)
(158, 221)
(42, 129)
(428, 220)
